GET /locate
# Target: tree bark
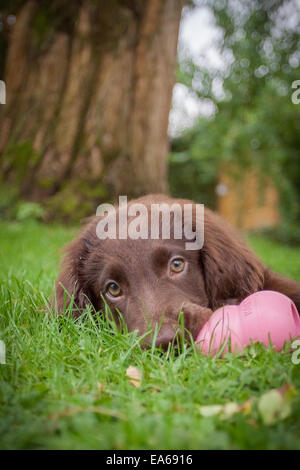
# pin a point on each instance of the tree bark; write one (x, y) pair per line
(88, 103)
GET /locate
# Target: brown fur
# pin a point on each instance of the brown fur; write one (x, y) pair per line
(224, 271)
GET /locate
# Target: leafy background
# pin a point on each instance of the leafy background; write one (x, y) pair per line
(254, 121)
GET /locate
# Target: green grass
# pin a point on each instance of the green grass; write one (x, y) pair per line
(64, 383)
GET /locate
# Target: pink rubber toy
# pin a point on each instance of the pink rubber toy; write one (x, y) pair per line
(263, 316)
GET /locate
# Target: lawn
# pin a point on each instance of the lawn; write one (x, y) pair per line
(64, 384)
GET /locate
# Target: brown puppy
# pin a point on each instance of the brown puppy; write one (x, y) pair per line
(151, 281)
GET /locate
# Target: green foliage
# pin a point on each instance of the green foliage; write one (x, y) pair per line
(76, 199)
(8, 200)
(14, 208)
(64, 385)
(29, 211)
(20, 156)
(255, 122)
(193, 166)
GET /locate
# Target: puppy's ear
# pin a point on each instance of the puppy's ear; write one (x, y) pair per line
(71, 289)
(231, 270)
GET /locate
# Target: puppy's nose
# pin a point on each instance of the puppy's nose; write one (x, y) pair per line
(165, 338)
(195, 316)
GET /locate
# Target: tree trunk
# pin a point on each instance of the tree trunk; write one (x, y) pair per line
(88, 99)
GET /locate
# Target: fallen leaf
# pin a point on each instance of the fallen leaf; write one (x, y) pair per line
(288, 391)
(230, 409)
(246, 407)
(210, 410)
(275, 405)
(135, 375)
(227, 410)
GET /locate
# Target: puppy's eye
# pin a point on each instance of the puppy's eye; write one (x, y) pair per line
(113, 289)
(177, 265)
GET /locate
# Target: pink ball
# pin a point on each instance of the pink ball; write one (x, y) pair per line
(264, 316)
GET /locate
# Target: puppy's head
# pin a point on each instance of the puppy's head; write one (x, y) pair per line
(150, 281)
